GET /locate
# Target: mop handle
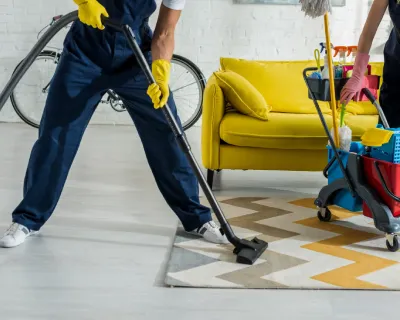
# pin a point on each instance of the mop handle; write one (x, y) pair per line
(331, 81)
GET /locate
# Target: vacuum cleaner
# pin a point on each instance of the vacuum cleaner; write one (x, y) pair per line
(247, 251)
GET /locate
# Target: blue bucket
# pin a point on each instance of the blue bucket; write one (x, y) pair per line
(343, 198)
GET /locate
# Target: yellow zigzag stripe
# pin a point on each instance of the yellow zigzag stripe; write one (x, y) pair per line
(345, 277)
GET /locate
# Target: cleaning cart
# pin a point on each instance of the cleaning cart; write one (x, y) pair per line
(358, 179)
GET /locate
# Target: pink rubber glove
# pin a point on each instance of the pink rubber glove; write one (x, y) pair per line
(354, 85)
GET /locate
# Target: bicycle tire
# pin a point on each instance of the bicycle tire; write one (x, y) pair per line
(46, 54)
(180, 59)
(202, 82)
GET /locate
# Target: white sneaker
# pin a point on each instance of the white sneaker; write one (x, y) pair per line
(211, 233)
(15, 235)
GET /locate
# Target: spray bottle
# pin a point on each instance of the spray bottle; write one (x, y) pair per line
(325, 71)
(353, 51)
(342, 60)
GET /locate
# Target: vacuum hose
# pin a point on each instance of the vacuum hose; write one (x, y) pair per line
(32, 55)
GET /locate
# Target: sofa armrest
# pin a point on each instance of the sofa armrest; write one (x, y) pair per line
(213, 112)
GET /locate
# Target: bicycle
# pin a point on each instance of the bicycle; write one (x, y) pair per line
(39, 80)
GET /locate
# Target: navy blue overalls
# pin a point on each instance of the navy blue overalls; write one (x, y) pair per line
(92, 62)
(389, 94)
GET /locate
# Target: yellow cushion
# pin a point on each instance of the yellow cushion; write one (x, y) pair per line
(361, 108)
(242, 95)
(280, 83)
(282, 131)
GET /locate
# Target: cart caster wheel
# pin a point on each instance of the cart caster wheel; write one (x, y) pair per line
(395, 243)
(324, 215)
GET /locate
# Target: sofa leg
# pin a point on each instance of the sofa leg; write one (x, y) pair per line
(210, 178)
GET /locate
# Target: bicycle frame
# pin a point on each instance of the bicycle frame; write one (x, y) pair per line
(56, 58)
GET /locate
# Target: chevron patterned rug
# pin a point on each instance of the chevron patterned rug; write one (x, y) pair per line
(303, 253)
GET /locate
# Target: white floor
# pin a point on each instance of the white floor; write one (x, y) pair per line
(103, 253)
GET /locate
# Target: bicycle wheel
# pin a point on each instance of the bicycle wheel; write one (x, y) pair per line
(187, 85)
(29, 96)
(28, 99)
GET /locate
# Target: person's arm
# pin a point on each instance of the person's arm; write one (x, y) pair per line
(374, 19)
(163, 43)
(162, 49)
(354, 85)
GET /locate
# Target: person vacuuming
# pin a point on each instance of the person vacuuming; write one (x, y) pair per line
(94, 60)
(389, 100)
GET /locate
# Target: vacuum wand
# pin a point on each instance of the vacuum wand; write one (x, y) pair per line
(178, 132)
(247, 251)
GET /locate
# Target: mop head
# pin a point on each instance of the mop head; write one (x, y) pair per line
(315, 8)
(344, 138)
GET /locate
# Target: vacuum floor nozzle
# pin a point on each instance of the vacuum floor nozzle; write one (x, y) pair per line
(249, 251)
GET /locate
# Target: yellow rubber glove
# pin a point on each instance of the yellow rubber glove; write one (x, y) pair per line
(90, 12)
(159, 91)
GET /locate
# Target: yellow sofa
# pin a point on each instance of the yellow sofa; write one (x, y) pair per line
(291, 139)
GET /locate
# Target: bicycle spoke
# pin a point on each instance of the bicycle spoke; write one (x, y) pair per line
(194, 82)
(187, 86)
(184, 73)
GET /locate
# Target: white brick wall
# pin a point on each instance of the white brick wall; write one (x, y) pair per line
(207, 30)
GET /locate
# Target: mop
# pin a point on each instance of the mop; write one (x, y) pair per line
(315, 9)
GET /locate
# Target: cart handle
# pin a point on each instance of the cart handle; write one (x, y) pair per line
(374, 101)
(380, 176)
(328, 166)
(308, 70)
